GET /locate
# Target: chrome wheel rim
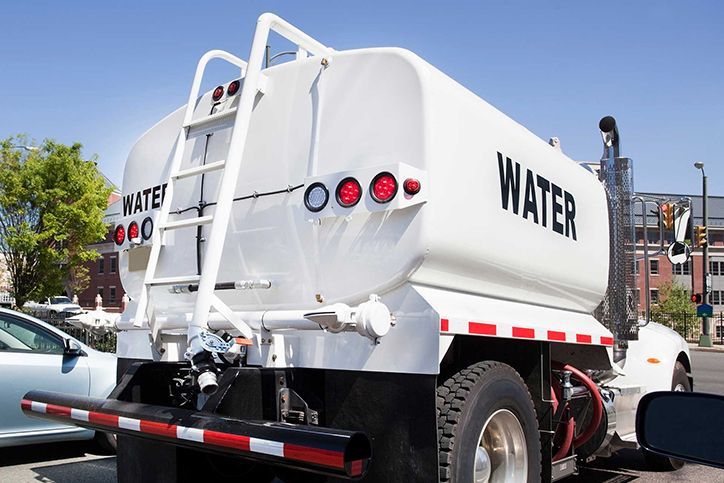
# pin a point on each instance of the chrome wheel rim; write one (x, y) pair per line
(501, 454)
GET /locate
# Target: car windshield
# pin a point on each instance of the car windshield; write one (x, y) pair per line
(60, 300)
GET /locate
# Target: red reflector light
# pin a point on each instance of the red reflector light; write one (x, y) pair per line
(383, 187)
(233, 88)
(349, 192)
(119, 235)
(218, 92)
(411, 186)
(133, 231)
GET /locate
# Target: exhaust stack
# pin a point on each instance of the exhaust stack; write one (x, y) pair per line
(619, 309)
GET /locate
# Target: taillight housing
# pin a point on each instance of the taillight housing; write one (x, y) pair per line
(349, 192)
(316, 197)
(133, 231)
(119, 235)
(383, 187)
(233, 88)
(218, 93)
(411, 186)
(147, 228)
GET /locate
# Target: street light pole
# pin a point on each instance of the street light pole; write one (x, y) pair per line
(705, 338)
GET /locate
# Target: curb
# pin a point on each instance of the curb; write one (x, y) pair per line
(696, 348)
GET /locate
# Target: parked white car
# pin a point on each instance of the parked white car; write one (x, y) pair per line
(35, 355)
(54, 307)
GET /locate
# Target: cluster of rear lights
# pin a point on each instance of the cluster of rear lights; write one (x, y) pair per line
(134, 233)
(232, 89)
(383, 189)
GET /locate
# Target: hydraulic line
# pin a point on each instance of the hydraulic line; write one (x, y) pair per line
(597, 402)
(569, 427)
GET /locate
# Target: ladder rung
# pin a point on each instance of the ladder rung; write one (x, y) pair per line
(198, 221)
(187, 173)
(174, 280)
(213, 117)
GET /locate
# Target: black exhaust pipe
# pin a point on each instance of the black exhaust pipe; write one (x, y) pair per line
(327, 451)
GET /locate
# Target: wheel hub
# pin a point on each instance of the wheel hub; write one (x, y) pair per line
(501, 455)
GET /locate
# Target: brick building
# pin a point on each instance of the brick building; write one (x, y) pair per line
(689, 274)
(104, 277)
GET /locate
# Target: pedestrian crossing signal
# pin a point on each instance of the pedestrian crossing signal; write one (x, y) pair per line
(696, 298)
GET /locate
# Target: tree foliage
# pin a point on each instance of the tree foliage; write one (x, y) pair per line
(52, 203)
(674, 300)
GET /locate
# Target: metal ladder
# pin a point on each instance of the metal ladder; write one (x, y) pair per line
(254, 81)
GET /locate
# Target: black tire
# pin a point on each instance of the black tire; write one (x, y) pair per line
(662, 463)
(465, 402)
(106, 443)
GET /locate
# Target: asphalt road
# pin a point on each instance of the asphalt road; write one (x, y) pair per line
(77, 463)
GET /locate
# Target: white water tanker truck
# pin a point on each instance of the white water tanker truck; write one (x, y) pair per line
(348, 266)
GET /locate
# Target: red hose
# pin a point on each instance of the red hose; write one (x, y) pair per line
(567, 440)
(597, 403)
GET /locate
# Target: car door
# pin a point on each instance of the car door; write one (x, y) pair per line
(31, 357)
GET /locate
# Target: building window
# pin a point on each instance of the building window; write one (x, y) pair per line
(654, 267)
(114, 264)
(100, 291)
(112, 294)
(681, 268)
(101, 264)
(715, 268)
(654, 295)
(716, 297)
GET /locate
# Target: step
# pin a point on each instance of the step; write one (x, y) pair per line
(212, 118)
(198, 221)
(187, 173)
(174, 280)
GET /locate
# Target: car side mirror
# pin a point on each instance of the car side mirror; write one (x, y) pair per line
(683, 425)
(72, 348)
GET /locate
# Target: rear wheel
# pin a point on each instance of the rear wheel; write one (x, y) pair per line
(680, 383)
(487, 426)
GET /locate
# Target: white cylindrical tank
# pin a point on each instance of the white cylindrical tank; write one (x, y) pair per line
(500, 213)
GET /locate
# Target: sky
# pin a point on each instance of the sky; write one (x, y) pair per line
(102, 73)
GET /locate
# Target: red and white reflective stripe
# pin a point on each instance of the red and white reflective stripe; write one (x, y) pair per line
(449, 326)
(318, 456)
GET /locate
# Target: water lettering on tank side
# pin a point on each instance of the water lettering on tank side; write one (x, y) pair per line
(536, 191)
(149, 198)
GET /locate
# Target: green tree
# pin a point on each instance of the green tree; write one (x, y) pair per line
(52, 203)
(674, 308)
(674, 298)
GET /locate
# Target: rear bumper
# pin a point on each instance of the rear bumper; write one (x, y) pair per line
(328, 451)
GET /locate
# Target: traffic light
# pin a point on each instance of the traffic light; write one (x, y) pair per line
(696, 298)
(700, 238)
(667, 214)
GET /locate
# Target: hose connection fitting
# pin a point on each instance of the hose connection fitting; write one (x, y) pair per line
(205, 368)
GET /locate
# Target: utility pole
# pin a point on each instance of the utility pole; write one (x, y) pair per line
(705, 338)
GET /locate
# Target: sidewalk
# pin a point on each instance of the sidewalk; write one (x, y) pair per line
(716, 348)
